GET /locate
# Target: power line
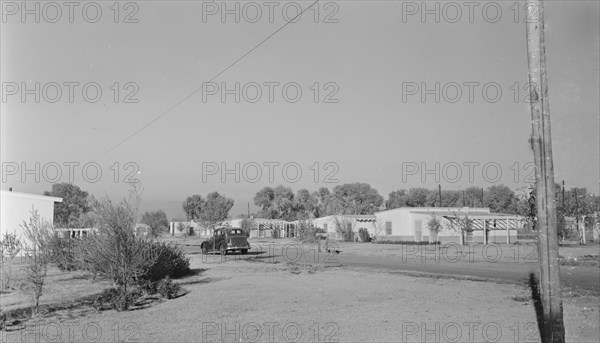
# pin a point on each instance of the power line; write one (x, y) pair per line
(135, 133)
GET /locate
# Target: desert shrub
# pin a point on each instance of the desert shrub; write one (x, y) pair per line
(37, 255)
(167, 289)
(10, 246)
(150, 287)
(115, 252)
(181, 228)
(343, 227)
(364, 235)
(117, 298)
(307, 232)
(63, 252)
(170, 262)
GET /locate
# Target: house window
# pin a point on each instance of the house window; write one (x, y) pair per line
(388, 228)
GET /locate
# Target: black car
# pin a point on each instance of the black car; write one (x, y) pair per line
(224, 240)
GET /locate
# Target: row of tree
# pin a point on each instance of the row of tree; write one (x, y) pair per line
(360, 198)
(281, 202)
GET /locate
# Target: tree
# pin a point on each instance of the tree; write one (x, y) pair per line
(323, 200)
(305, 205)
(500, 198)
(461, 224)
(283, 203)
(216, 209)
(473, 197)
(157, 220)
(417, 197)
(526, 206)
(115, 252)
(397, 199)
(356, 198)
(10, 246)
(75, 203)
(434, 225)
(192, 206)
(264, 198)
(344, 227)
(38, 255)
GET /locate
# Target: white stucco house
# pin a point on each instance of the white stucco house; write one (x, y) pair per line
(262, 227)
(330, 224)
(410, 224)
(16, 207)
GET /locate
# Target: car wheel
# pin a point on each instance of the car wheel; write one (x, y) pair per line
(223, 249)
(204, 249)
(244, 251)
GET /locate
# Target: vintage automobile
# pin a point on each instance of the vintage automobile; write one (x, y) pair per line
(226, 239)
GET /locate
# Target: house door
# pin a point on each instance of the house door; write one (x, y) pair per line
(418, 230)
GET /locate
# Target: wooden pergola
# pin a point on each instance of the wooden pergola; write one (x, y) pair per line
(489, 222)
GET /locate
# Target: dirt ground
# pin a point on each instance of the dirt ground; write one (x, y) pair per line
(523, 252)
(59, 287)
(252, 301)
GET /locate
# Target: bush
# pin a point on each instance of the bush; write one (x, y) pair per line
(364, 235)
(119, 299)
(63, 251)
(170, 262)
(167, 289)
(307, 232)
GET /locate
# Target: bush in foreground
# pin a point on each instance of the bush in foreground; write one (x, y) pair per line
(171, 262)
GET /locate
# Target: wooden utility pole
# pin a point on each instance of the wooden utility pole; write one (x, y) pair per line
(553, 326)
(440, 194)
(482, 205)
(563, 195)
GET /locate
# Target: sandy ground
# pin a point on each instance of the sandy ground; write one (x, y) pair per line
(252, 301)
(523, 252)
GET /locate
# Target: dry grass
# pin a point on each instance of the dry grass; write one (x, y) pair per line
(60, 288)
(230, 300)
(349, 305)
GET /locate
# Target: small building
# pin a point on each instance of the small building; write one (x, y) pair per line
(16, 208)
(272, 228)
(334, 225)
(458, 225)
(190, 228)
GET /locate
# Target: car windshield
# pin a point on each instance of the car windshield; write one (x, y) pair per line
(235, 232)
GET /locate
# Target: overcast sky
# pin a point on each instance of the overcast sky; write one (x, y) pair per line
(369, 60)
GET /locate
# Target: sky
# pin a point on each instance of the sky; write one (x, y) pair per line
(354, 91)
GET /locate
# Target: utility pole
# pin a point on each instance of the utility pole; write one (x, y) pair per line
(576, 212)
(440, 194)
(553, 329)
(482, 205)
(248, 209)
(563, 195)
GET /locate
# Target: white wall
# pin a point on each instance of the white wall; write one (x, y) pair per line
(331, 225)
(16, 207)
